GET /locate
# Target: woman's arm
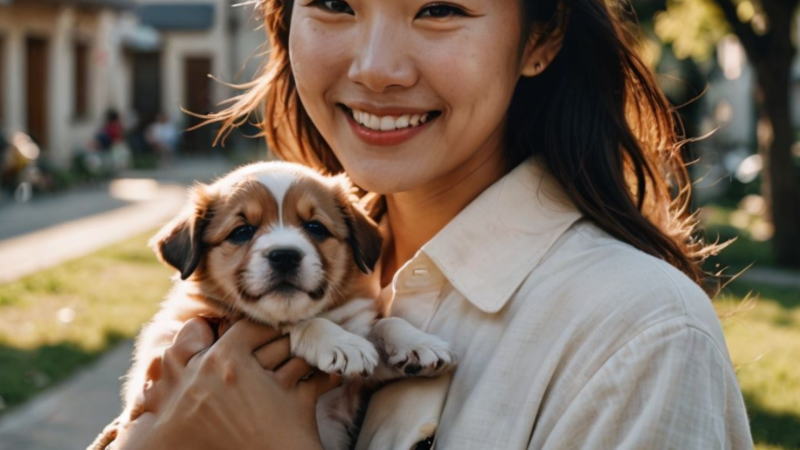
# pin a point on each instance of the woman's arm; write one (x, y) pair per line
(233, 393)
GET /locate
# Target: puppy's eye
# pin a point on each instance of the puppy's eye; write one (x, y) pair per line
(241, 234)
(316, 230)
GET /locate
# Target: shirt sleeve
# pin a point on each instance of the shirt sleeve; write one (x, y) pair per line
(670, 387)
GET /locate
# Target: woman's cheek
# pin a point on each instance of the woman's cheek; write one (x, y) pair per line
(315, 54)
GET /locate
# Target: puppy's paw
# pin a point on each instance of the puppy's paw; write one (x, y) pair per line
(425, 355)
(332, 349)
(353, 356)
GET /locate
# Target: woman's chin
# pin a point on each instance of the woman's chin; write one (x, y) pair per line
(383, 179)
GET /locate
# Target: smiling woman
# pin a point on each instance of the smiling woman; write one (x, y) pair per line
(527, 176)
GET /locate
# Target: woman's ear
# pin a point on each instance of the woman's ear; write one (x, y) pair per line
(179, 243)
(544, 43)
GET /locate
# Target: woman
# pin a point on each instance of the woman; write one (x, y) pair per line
(534, 202)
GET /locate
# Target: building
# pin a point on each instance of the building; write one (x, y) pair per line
(61, 68)
(197, 38)
(64, 63)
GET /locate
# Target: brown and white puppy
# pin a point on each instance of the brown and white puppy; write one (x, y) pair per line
(282, 245)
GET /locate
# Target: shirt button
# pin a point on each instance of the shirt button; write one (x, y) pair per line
(419, 271)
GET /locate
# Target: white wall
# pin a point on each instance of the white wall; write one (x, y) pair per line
(61, 26)
(178, 45)
(234, 57)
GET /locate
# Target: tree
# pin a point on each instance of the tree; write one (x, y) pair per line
(764, 28)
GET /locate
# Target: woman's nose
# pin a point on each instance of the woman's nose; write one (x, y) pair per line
(382, 60)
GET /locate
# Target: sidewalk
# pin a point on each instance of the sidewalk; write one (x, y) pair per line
(71, 414)
(49, 231)
(776, 277)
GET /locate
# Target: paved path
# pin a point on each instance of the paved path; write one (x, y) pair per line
(775, 277)
(70, 415)
(48, 231)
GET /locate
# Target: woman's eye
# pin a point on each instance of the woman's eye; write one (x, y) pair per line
(441, 11)
(241, 234)
(316, 230)
(335, 6)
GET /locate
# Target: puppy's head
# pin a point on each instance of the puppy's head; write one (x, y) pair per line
(276, 241)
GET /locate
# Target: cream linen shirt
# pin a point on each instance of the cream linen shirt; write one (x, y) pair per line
(566, 337)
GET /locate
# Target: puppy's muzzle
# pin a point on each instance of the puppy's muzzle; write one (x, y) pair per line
(284, 261)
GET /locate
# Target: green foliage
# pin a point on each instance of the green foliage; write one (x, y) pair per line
(743, 251)
(693, 27)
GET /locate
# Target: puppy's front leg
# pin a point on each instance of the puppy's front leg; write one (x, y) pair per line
(406, 350)
(332, 349)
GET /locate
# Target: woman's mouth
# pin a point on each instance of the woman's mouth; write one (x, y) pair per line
(387, 129)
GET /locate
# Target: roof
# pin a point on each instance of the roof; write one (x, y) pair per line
(119, 4)
(177, 16)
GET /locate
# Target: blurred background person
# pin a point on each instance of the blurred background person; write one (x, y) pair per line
(163, 135)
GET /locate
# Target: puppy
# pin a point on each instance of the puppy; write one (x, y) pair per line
(282, 245)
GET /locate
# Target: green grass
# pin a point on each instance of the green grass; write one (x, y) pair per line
(763, 337)
(57, 320)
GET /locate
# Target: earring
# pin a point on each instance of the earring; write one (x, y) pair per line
(533, 70)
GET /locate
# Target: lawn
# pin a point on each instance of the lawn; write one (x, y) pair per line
(54, 322)
(764, 341)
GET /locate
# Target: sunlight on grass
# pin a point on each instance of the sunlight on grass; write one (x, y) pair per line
(764, 342)
(57, 320)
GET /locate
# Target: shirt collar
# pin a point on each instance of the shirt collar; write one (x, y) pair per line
(489, 248)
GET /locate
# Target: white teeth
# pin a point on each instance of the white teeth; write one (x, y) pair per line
(402, 121)
(388, 123)
(373, 122)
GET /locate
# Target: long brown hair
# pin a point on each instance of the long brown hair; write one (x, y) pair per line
(596, 117)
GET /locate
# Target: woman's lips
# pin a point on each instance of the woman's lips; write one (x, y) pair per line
(384, 138)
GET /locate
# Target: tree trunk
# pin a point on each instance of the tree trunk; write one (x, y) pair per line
(772, 54)
(781, 188)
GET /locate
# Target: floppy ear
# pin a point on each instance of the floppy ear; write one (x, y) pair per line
(363, 235)
(180, 242)
(364, 238)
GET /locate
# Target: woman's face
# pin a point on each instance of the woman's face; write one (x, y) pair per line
(407, 92)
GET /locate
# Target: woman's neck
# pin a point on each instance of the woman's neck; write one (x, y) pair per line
(414, 217)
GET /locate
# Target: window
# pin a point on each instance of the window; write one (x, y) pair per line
(2, 81)
(81, 88)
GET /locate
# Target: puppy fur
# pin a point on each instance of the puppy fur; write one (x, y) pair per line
(282, 245)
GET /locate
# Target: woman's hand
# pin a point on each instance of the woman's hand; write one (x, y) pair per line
(220, 396)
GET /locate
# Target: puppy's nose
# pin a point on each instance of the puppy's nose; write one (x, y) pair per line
(284, 259)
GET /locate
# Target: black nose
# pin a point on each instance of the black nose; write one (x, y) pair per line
(284, 259)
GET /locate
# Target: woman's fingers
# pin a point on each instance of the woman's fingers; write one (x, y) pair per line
(274, 354)
(193, 337)
(245, 334)
(320, 383)
(291, 372)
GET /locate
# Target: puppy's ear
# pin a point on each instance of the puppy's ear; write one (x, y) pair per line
(180, 242)
(363, 235)
(364, 239)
